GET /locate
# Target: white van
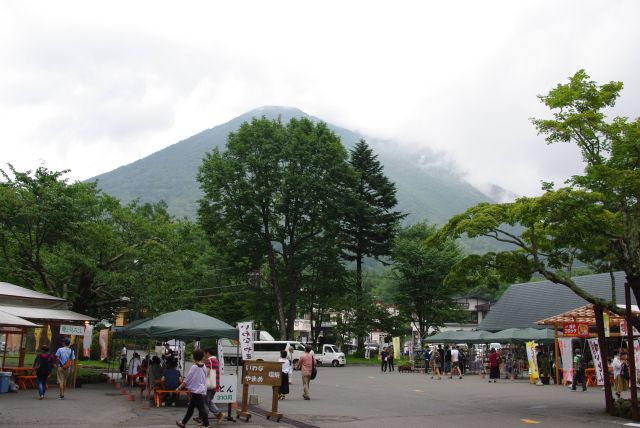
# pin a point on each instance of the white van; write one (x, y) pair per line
(264, 350)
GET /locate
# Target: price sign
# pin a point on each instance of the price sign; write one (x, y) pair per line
(261, 373)
(227, 393)
(575, 329)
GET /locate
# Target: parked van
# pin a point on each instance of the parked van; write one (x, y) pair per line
(269, 350)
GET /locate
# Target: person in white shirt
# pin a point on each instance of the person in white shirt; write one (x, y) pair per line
(455, 362)
(285, 374)
(134, 367)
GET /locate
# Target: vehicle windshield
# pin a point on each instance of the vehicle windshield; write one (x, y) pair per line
(331, 349)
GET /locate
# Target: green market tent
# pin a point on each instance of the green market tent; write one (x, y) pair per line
(448, 337)
(182, 324)
(519, 335)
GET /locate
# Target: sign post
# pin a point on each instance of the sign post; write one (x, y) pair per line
(266, 373)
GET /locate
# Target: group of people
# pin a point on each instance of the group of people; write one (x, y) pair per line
(444, 361)
(387, 359)
(45, 363)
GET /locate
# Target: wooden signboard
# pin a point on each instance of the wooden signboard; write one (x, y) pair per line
(265, 373)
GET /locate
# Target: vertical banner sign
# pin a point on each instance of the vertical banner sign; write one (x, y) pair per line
(597, 360)
(531, 357)
(103, 339)
(605, 318)
(220, 357)
(245, 329)
(566, 353)
(623, 329)
(396, 347)
(636, 355)
(86, 341)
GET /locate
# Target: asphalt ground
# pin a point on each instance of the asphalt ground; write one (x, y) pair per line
(340, 397)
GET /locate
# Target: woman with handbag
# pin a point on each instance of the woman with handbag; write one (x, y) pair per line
(306, 364)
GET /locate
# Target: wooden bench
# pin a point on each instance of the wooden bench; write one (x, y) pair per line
(159, 394)
(23, 380)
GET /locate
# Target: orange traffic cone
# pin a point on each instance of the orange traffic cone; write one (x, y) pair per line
(131, 397)
(145, 404)
(123, 391)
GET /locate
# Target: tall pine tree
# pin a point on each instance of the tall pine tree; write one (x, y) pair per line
(371, 223)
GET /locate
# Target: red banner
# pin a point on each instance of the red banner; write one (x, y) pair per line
(575, 329)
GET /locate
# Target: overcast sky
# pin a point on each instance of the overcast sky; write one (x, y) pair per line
(90, 88)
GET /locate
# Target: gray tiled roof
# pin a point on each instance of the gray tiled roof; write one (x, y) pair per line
(522, 305)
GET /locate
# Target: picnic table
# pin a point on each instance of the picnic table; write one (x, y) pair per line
(24, 376)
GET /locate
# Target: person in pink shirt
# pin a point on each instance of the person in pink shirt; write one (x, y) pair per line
(305, 364)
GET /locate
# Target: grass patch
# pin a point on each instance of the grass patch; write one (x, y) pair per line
(373, 361)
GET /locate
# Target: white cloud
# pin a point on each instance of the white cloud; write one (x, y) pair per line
(91, 87)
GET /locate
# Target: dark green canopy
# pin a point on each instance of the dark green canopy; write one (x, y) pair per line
(519, 335)
(183, 324)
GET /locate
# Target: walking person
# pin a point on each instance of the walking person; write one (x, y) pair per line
(123, 361)
(383, 360)
(390, 359)
(64, 360)
(620, 374)
(211, 363)
(579, 375)
(196, 382)
(494, 366)
(447, 361)
(455, 362)
(43, 365)
(306, 364)
(436, 364)
(285, 374)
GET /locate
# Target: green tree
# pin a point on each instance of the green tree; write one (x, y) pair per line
(421, 262)
(273, 194)
(594, 218)
(370, 224)
(71, 241)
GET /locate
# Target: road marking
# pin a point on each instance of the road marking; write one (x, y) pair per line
(418, 390)
(529, 421)
(371, 377)
(632, 425)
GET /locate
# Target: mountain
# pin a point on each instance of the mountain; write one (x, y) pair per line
(425, 190)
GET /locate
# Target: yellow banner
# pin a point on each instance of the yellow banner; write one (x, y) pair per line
(605, 317)
(531, 356)
(396, 347)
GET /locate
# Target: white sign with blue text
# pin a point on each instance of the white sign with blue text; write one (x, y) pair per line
(71, 330)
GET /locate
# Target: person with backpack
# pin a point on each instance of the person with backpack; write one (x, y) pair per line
(436, 364)
(64, 360)
(579, 368)
(212, 366)
(43, 365)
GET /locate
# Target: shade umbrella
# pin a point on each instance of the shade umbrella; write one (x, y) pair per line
(182, 324)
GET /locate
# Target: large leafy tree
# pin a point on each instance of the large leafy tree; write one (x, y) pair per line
(72, 241)
(421, 262)
(370, 224)
(594, 218)
(271, 196)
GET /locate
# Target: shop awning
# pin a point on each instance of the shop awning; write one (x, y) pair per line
(585, 314)
(9, 320)
(46, 315)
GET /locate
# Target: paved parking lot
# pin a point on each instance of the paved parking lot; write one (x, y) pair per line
(341, 397)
